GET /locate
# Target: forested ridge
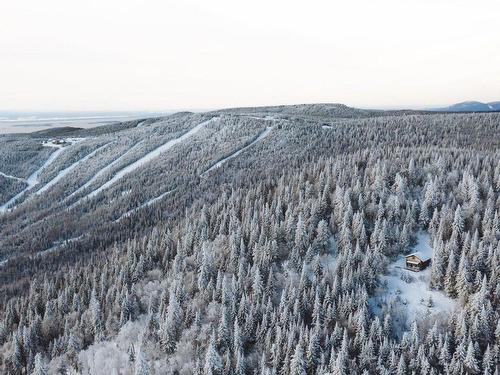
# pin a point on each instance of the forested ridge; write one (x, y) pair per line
(268, 264)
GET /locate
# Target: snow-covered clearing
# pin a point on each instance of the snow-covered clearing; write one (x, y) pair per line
(58, 143)
(33, 179)
(146, 204)
(406, 293)
(148, 157)
(67, 170)
(12, 177)
(327, 127)
(261, 136)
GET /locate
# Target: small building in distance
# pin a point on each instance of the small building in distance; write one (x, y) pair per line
(417, 261)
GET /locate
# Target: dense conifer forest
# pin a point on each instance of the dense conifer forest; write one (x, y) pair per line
(253, 241)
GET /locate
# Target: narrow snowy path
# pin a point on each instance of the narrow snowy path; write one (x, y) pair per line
(67, 170)
(147, 158)
(146, 204)
(55, 246)
(261, 136)
(33, 179)
(12, 177)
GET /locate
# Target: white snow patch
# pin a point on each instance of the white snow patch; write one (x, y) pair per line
(261, 136)
(67, 170)
(327, 127)
(148, 157)
(408, 292)
(58, 143)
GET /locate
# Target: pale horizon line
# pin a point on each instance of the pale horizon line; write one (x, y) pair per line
(209, 109)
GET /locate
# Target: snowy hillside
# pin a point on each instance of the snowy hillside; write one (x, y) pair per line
(247, 241)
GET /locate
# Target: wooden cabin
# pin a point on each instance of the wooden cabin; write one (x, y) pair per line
(417, 261)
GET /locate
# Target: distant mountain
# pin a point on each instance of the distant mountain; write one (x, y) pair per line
(330, 110)
(471, 106)
(495, 106)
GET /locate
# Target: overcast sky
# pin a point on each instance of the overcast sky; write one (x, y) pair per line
(162, 54)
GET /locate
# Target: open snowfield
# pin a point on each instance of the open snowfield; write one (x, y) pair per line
(407, 292)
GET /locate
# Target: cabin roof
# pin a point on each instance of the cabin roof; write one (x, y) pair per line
(420, 255)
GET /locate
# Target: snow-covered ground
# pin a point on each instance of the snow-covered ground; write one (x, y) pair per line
(407, 293)
(58, 143)
(67, 170)
(148, 157)
(261, 136)
(327, 127)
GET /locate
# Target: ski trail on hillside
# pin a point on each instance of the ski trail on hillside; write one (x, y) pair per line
(12, 177)
(67, 170)
(33, 179)
(56, 246)
(261, 136)
(104, 170)
(146, 204)
(147, 158)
